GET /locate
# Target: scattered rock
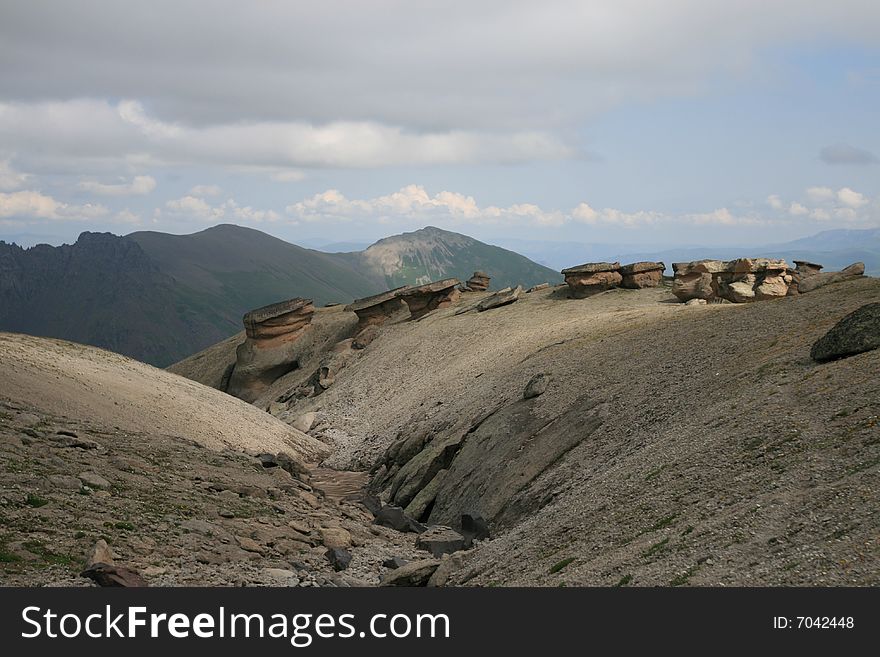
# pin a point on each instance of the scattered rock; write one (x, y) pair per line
(416, 573)
(335, 537)
(479, 282)
(424, 298)
(64, 482)
(474, 527)
(394, 517)
(440, 540)
(93, 480)
(642, 274)
(448, 565)
(104, 574)
(536, 386)
(500, 298)
(854, 334)
(591, 278)
(395, 562)
(267, 352)
(304, 422)
(101, 553)
(70, 439)
(339, 558)
(249, 545)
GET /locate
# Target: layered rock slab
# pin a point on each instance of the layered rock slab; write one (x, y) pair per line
(639, 275)
(424, 298)
(591, 278)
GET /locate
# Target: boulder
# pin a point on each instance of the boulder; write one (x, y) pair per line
(739, 281)
(474, 527)
(377, 309)
(335, 537)
(591, 278)
(305, 421)
(642, 274)
(479, 282)
(104, 574)
(440, 540)
(339, 558)
(425, 497)
(806, 268)
(422, 299)
(415, 573)
(93, 480)
(394, 562)
(815, 281)
(536, 386)
(449, 564)
(101, 553)
(500, 298)
(267, 352)
(854, 334)
(394, 517)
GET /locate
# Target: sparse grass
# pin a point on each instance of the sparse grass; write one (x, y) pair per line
(623, 581)
(47, 555)
(125, 525)
(664, 522)
(35, 501)
(559, 565)
(679, 580)
(654, 549)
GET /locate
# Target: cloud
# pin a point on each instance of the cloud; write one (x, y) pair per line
(820, 194)
(9, 178)
(775, 202)
(846, 154)
(198, 208)
(797, 210)
(139, 186)
(851, 198)
(205, 190)
(35, 205)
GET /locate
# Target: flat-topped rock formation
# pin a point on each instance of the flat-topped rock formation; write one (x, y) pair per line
(818, 279)
(642, 274)
(266, 353)
(377, 309)
(424, 298)
(805, 268)
(592, 277)
(500, 298)
(479, 282)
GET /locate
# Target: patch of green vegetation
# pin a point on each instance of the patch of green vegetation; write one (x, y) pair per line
(124, 524)
(559, 565)
(679, 580)
(35, 501)
(47, 555)
(664, 522)
(654, 549)
(624, 581)
(687, 530)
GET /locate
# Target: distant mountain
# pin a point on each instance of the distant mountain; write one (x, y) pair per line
(431, 253)
(160, 297)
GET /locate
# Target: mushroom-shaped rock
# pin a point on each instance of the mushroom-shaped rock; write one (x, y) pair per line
(591, 278)
(267, 353)
(479, 282)
(740, 281)
(642, 274)
(500, 298)
(806, 268)
(377, 309)
(424, 298)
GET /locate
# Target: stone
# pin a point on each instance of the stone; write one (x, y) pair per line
(591, 278)
(693, 285)
(474, 527)
(71, 440)
(335, 537)
(268, 351)
(93, 480)
(281, 574)
(425, 497)
(440, 540)
(500, 298)
(415, 573)
(479, 282)
(739, 281)
(394, 562)
(536, 288)
(304, 422)
(639, 275)
(806, 268)
(394, 517)
(64, 482)
(815, 281)
(772, 287)
(421, 469)
(696, 302)
(339, 558)
(856, 333)
(536, 386)
(449, 563)
(104, 574)
(377, 309)
(422, 299)
(101, 553)
(249, 545)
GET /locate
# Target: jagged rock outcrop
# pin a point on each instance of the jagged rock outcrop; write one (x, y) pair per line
(424, 298)
(266, 353)
(739, 281)
(377, 309)
(854, 334)
(817, 280)
(642, 274)
(479, 282)
(591, 278)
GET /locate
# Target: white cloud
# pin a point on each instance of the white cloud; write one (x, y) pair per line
(126, 216)
(205, 190)
(775, 202)
(139, 186)
(198, 208)
(820, 194)
(797, 210)
(851, 198)
(9, 178)
(35, 205)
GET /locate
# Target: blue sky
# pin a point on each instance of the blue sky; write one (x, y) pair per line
(632, 122)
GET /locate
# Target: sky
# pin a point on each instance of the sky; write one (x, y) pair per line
(637, 122)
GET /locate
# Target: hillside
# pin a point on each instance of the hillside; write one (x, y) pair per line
(159, 297)
(674, 444)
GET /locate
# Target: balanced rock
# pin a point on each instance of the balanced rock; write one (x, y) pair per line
(642, 274)
(806, 268)
(377, 309)
(854, 334)
(591, 278)
(424, 298)
(479, 282)
(267, 353)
